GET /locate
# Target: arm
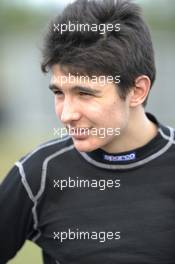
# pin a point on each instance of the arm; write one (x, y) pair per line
(16, 220)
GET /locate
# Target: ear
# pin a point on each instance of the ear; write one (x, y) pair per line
(140, 91)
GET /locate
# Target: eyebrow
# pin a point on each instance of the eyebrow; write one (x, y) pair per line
(75, 88)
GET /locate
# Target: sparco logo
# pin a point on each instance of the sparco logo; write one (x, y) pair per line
(127, 157)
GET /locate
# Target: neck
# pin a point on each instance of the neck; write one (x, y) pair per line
(139, 131)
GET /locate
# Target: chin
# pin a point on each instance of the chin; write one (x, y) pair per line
(86, 145)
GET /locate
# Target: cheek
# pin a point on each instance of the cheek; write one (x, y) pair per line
(100, 113)
(58, 108)
(95, 109)
(114, 115)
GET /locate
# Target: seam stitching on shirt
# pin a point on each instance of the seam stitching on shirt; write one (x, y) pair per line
(135, 164)
(42, 185)
(43, 177)
(24, 181)
(44, 146)
(44, 168)
(30, 194)
(165, 136)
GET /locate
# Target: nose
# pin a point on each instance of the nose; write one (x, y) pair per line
(69, 112)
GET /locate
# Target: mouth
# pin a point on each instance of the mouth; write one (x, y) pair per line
(79, 132)
(80, 129)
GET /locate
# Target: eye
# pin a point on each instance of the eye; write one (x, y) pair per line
(57, 92)
(86, 94)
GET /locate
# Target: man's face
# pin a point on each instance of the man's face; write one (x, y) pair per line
(94, 108)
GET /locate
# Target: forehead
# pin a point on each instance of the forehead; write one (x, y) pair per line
(65, 80)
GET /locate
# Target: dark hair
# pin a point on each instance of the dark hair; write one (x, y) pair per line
(128, 52)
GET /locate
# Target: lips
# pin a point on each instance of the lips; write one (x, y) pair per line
(78, 131)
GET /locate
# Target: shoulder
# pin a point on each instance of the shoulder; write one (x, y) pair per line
(168, 133)
(33, 165)
(168, 143)
(46, 150)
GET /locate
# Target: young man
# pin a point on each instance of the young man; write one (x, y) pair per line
(105, 192)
